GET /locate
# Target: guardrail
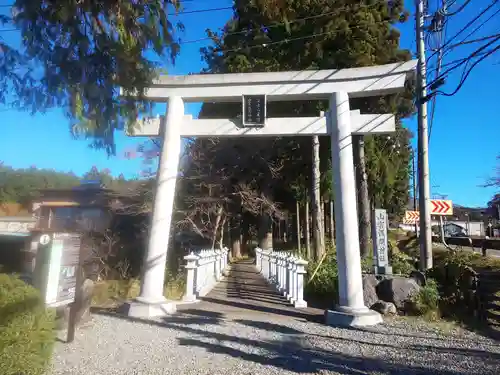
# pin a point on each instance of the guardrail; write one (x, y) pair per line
(204, 269)
(285, 272)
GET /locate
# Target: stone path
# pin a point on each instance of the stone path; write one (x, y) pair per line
(243, 327)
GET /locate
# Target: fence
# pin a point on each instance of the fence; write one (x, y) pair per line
(285, 272)
(204, 268)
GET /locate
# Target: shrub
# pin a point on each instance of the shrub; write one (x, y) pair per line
(454, 273)
(401, 263)
(323, 288)
(426, 301)
(27, 334)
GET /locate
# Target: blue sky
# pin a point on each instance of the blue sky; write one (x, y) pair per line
(463, 146)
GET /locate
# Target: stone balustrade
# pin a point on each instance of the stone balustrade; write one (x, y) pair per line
(285, 272)
(204, 268)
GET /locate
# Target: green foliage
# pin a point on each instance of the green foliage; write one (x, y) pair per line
(401, 263)
(454, 272)
(426, 301)
(78, 54)
(350, 35)
(21, 185)
(27, 333)
(324, 286)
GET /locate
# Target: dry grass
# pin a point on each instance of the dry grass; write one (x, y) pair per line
(111, 293)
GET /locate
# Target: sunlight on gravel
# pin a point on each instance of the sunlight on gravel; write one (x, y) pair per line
(250, 344)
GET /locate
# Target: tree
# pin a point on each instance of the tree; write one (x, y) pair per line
(78, 54)
(318, 34)
(22, 185)
(494, 181)
(494, 203)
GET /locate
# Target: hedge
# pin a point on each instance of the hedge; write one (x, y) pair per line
(27, 334)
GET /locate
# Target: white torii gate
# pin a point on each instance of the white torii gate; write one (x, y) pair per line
(340, 123)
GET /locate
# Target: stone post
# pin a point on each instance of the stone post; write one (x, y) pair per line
(294, 281)
(200, 274)
(301, 271)
(272, 261)
(351, 310)
(218, 272)
(191, 265)
(151, 301)
(258, 259)
(279, 260)
(285, 274)
(290, 278)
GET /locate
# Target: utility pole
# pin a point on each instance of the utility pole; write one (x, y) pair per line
(423, 144)
(414, 180)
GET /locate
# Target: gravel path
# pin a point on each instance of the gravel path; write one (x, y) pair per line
(258, 334)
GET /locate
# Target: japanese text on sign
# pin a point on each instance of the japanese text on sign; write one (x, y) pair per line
(380, 237)
(254, 110)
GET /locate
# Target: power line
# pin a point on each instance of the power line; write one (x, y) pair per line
(473, 54)
(168, 14)
(456, 61)
(482, 39)
(464, 41)
(247, 30)
(439, 62)
(465, 27)
(449, 14)
(286, 40)
(466, 74)
(183, 1)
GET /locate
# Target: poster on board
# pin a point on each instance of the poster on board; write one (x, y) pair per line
(64, 261)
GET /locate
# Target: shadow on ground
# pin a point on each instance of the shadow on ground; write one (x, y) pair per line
(292, 354)
(245, 299)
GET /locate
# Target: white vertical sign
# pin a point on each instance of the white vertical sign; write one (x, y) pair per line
(380, 246)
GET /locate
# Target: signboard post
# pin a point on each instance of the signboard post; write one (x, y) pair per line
(380, 243)
(59, 272)
(254, 110)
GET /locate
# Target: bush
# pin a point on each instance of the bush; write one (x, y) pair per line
(426, 301)
(27, 334)
(401, 263)
(454, 273)
(323, 288)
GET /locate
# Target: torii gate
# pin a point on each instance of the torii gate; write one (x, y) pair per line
(340, 123)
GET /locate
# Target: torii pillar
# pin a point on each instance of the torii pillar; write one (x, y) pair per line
(151, 301)
(351, 310)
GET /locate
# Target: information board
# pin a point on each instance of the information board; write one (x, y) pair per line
(254, 110)
(380, 245)
(63, 268)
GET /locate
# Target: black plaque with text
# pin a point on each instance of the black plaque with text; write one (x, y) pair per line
(254, 110)
(70, 262)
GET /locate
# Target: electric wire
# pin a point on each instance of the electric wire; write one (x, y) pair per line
(247, 30)
(473, 54)
(464, 28)
(448, 14)
(466, 74)
(464, 41)
(439, 62)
